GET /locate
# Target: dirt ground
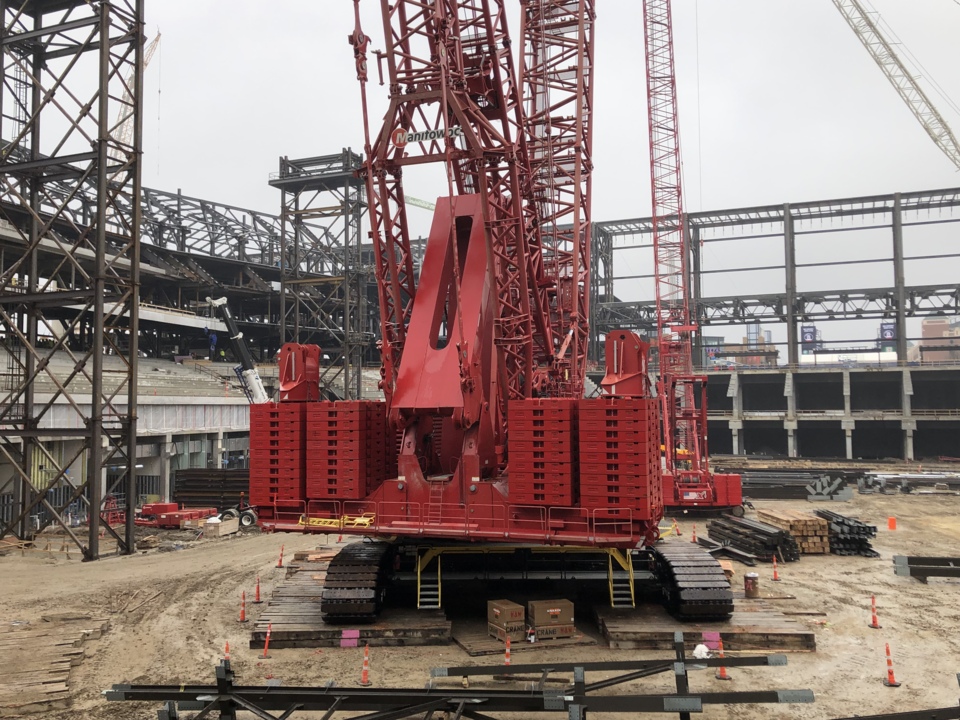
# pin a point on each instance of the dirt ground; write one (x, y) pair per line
(178, 636)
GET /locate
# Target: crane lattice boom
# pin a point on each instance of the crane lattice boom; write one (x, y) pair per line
(903, 82)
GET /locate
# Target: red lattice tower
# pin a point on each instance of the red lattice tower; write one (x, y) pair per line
(450, 69)
(557, 80)
(674, 326)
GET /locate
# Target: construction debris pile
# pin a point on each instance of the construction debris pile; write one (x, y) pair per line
(849, 536)
(810, 532)
(759, 539)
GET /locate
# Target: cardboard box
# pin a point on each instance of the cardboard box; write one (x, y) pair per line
(547, 632)
(515, 631)
(504, 612)
(549, 612)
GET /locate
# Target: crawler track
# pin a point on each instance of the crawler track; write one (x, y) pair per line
(354, 586)
(692, 581)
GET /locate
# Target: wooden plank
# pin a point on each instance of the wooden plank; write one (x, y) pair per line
(753, 626)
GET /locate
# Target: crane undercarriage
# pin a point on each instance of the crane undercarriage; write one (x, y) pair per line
(689, 582)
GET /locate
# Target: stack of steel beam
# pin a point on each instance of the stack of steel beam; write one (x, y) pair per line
(202, 487)
(849, 536)
(762, 540)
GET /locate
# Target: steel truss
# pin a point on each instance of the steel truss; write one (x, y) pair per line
(785, 223)
(324, 278)
(67, 68)
(573, 701)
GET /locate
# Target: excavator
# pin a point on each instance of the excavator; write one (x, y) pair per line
(484, 462)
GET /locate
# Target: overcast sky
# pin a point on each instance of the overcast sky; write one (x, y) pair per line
(778, 100)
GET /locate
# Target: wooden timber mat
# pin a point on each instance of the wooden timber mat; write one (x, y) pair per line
(37, 661)
(754, 625)
(294, 613)
(472, 636)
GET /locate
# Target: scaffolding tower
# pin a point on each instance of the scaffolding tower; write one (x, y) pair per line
(69, 267)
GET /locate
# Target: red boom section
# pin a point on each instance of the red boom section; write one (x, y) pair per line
(557, 80)
(687, 472)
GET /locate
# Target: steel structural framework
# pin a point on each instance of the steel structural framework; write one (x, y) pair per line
(324, 277)
(784, 224)
(65, 70)
(557, 80)
(573, 701)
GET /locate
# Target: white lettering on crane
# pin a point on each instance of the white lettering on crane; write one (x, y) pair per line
(401, 137)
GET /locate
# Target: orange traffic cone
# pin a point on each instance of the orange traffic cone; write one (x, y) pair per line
(280, 561)
(243, 606)
(256, 596)
(226, 650)
(693, 536)
(365, 672)
(776, 575)
(890, 680)
(266, 643)
(722, 671)
(873, 614)
(676, 528)
(506, 652)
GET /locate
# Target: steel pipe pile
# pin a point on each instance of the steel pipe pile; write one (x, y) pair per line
(762, 540)
(849, 536)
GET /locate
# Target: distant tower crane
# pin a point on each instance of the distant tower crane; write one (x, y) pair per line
(124, 122)
(881, 50)
(687, 480)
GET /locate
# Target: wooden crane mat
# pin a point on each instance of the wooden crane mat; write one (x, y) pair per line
(294, 612)
(754, 625)
(472, 636)
(37, 661)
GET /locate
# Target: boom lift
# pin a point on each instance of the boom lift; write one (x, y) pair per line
(688, 482)
(247, 369)
(484, 457)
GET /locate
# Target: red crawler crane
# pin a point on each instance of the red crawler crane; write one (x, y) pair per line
(688, 482)
(498, 459)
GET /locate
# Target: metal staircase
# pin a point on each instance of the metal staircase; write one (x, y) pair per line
(428, 582)
(620, 578)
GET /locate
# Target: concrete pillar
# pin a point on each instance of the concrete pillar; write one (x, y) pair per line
(909, 427)
(218, 451)
(735, 428)
(847, 409)
(848, 426)
(791, 428)
(166, 452)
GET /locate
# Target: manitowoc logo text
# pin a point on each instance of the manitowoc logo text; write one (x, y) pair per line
(401, 137)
